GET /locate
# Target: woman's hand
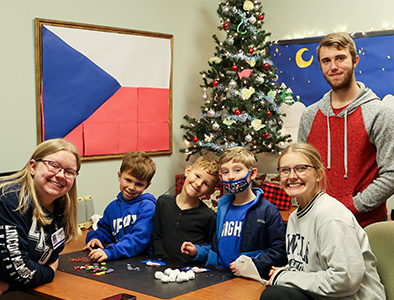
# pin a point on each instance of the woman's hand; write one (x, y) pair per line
(3, 287)
(54, 265)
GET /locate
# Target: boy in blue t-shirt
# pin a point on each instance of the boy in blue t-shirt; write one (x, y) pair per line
(127, 224)
(247, 224)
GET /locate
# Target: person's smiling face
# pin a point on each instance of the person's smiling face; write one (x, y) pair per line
(130, 186)
(304, 186)
(48, 184)
(337, 67)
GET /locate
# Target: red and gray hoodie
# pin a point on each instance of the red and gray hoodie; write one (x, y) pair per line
(357, 147)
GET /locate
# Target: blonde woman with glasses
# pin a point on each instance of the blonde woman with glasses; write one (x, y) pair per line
(38, 215)
(328, 252)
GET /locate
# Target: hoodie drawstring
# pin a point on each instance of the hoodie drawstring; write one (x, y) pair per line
(344, 143)
(328, 143)
(345, 146)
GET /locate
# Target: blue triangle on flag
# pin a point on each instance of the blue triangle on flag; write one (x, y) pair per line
(73, 86)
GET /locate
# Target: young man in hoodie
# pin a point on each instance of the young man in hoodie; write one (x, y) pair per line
(127, 224)
(353, 132)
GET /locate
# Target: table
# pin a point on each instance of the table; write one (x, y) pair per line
(70, 287)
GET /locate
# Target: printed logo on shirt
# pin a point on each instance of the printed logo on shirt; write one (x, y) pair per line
(15, 263)
(232, 228)
(297, 251)
(38, 235)
(120, 223)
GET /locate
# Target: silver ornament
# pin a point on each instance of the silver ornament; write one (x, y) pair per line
(211, 113)
(215, 126)
(248, 138)
(252, 20)
(232, 83)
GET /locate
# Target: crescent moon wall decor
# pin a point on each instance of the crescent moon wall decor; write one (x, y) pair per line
(300, 61)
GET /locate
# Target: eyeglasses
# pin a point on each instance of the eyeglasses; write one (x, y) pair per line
(54, 168)
(300, 170)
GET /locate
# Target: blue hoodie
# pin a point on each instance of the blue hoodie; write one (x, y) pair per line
(263, 235)
(127, 226)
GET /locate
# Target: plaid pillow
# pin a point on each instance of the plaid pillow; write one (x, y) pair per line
(273, 192)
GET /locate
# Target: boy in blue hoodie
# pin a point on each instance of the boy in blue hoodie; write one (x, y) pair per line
(127, 223)
(247, 224)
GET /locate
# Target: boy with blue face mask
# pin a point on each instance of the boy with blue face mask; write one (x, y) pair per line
(247, 224)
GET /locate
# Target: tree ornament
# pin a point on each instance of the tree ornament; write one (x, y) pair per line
(195, 139)
(234, 68)
(226, 25)
(237, 112)
(248, 5)
(257, 124)
(252, 20)
(215, 83)
(269, 113)
(266, 134)
(215, 126)
(250, 51)
(232, 83)
(230, 40)
(266, 66)
(211, 113)
(275, 78)
(204, 96)
(248, 138)
(261, 17)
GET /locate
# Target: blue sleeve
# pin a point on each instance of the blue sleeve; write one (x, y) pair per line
(275, 255)
(202, 253)
(139, 236)
(104, 230)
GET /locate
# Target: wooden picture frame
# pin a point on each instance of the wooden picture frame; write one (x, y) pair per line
(107, 90)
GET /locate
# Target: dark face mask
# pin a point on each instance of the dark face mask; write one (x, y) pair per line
(237, 186)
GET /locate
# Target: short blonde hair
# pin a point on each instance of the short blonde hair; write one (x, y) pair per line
(209, 165)
(139, 164)
(311, 154)
(238, 154)
(339, 40)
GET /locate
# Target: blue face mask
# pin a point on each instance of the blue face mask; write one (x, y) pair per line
(237, 186)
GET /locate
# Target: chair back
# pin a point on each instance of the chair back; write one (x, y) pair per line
(381, 239)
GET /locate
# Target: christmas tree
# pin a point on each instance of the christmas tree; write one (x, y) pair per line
(240, 91)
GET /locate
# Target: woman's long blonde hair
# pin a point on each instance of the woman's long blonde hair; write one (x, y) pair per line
(67, 204)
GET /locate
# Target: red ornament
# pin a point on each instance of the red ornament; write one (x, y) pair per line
(250, 51)
(266, 134)
(266, 66)
(234, 68)
(195, 139)
(269, 113)
(261, 17)
(225, 25)
(237, 112)
(215, 83)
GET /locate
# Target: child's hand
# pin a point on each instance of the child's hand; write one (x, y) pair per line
(233, 268)
(189, 249)
(92, 244)
(98, 255)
